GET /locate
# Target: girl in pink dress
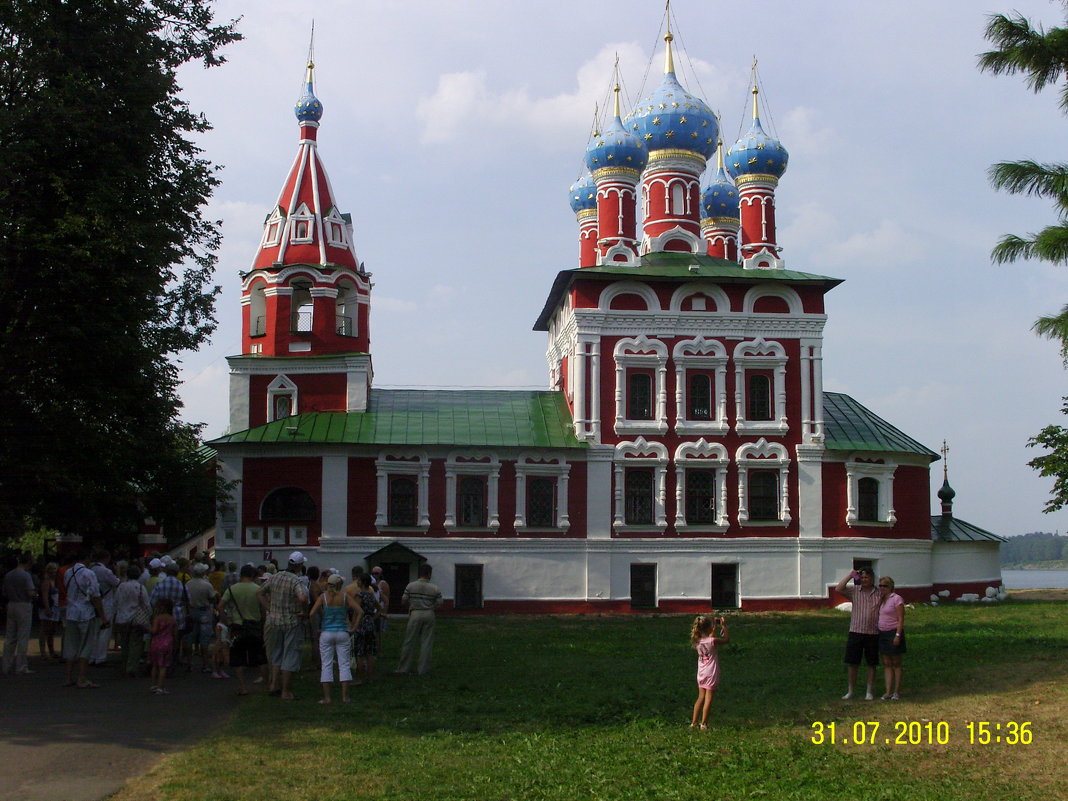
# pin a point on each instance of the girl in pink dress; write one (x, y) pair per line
(704, 626)
(161, 651)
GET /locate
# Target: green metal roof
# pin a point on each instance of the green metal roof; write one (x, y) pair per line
(851, 427)
(676, 267)
(953, 529)
(490, 418)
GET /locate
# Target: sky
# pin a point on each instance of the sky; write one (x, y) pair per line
(452, 131)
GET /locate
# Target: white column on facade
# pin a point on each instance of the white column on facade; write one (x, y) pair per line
(806, 392)
(595, 390)
(520, 498)
(661, 394)
(817, 391)
(599, 495)
(240, 386)
(580, 389)
(382, 496)
(228, 511)
(492, 502)
(810, 491)
(562, 519)
(680, 487)
(424, 494)
(335, 517)
(450, 496)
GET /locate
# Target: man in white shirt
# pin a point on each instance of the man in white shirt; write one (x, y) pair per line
(84, 619)
(109, 582)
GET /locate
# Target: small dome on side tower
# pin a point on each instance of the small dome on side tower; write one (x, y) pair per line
(720, 197)
(308, 108)
(616, 146)
(756, 153)
(583, 194)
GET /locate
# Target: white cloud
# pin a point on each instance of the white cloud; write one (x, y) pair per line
(464, 104)
(381, 302)
(888, 244)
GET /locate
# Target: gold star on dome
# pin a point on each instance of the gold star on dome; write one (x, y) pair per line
(600, 143)
(595, 161)
(693, 134)
(648, 136)
(674, 105)
(682, 120)
(730, 193)
(609, 157)
(771, 162)
(650, 107)
(663, 106)
(737, 165)
(629, 158)
(634, 127)
(670, 134)
(752, 160)
(656, 120)
(760, 146)
(704, 123)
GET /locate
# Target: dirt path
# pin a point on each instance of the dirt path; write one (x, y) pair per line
(64, 744)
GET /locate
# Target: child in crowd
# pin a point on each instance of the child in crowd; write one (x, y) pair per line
(220, 651)
(161, 650)
(702, 639)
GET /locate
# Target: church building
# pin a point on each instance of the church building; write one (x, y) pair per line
(684, 455)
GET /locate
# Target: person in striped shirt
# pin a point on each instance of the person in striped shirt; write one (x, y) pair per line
(863, 640)
(421, 597)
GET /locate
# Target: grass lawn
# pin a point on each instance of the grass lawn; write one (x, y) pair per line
(599, 707)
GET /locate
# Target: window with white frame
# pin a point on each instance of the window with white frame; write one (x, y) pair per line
(763, 483)
(700, 386)
(640, 472)
(641, 394)
(302, 226)
(701, 485)
(347, 309)
(257, 310)
(335, 228)
(302, 308)
(272, 227)
(281, 398)
(471, 498)
(403, 490)
(541, 491)
(760, 387)
(870, 492)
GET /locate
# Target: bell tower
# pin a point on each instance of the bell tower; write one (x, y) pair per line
(305, 302)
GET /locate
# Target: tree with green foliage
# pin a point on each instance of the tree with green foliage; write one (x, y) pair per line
(106, 259)
(1042, 56)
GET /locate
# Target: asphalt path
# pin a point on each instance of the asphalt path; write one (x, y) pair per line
(66, 744)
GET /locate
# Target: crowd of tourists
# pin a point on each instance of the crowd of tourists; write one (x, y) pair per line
(166, 615)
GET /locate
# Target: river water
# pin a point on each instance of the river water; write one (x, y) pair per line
(1034, 579)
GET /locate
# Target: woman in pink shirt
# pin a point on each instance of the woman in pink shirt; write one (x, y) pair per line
(891, 636)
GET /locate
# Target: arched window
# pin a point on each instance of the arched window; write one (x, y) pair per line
(257, 313)
(638, 497)
(288, 505)
(763, 495)
(283, 406)
(639, 396)
(471, 501)
(868, 499)
(346, 309)
(700, 397)
(403, 501)
(758, 397)
(700, 497)
(678, 199)
(301, 304)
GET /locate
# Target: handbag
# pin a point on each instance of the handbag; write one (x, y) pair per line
(140, 620)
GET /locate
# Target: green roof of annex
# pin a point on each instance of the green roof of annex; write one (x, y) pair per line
(520, 419)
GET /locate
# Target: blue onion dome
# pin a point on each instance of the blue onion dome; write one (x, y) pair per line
(616, 147)
(308, 107)
(583, 194)
(673, 119)
(756, 153)
(720, 197)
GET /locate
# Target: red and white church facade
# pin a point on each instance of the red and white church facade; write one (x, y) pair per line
(684, 456)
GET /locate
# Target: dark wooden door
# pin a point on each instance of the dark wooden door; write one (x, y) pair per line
(725, 586)
(397, 575)
(643, 586)
(468, 587)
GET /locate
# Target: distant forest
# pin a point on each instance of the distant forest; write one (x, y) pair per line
(1038, 546)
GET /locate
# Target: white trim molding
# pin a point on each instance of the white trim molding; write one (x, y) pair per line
(759, 354)
(701, 455)
(641, 352)
(793, 300)
(613, 291)
(549, 465)
(281, 387)
(701, 354)
(476, 463)
(403, 463)
(714, 291)
(763, 455)
(883, 473)
(641, 453)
